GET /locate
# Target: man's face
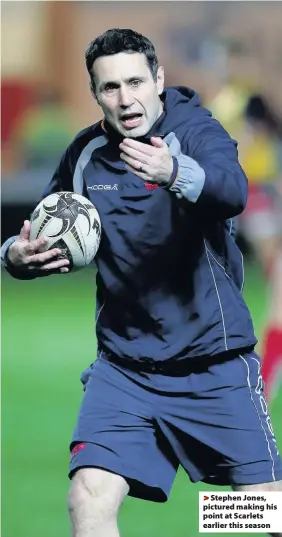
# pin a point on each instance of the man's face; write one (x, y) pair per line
(127, 93)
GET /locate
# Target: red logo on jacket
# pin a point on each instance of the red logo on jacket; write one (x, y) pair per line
(150, 186)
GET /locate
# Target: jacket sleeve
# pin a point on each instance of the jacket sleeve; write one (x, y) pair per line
(208, 171)
(61, 180)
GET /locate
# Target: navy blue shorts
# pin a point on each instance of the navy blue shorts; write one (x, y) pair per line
(213, 421)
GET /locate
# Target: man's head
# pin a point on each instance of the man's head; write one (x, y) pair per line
(126, 80)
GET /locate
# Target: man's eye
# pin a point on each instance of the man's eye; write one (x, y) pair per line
(110, 88)
(135, 83)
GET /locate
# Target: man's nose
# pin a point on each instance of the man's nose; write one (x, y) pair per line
(125, 98)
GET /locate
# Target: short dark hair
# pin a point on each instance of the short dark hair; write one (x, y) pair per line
(120, 40)
(258, 110)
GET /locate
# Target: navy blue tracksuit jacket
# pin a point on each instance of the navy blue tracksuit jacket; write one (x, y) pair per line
(170, 275)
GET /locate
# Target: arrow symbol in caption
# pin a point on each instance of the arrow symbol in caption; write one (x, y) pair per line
(206, 497)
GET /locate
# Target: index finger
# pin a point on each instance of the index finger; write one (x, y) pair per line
(139, 146)
(36, 245)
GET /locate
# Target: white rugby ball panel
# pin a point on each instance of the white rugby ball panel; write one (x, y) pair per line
(39, 218)
(70, 222)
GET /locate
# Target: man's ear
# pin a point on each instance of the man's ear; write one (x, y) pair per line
(160, 80)
(92, 89)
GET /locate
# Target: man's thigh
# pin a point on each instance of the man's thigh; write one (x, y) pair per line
(115, 431)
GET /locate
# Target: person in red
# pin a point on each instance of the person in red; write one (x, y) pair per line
(272, 344)
(260, 154)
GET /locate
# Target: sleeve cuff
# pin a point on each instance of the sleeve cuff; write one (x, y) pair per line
(15, 273)
(189, 179)
(4, 251)
(173, 175)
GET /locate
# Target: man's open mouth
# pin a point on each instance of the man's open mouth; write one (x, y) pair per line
(131, 120)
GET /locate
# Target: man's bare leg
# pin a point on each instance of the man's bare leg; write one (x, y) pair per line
(274, 486)
(94, 500)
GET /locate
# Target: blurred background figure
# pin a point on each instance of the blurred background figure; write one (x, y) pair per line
(38, 133)
(257, 127)
(260, 153)
(272, 340)
(43, 131)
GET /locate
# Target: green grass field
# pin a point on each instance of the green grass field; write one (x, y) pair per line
(47, 340)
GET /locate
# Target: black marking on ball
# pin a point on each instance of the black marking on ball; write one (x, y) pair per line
(97, 227)
(67, 209)
(76, 236)
(35, 214)
(45, 221)
(66, 254)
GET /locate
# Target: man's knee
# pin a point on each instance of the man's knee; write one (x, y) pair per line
(97, 489)
(272, 486)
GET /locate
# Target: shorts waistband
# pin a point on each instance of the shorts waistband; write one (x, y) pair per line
(172, 366)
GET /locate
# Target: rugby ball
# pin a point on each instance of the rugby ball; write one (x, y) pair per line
(70, 222)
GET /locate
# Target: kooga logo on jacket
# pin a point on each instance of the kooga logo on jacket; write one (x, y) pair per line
(102, 187)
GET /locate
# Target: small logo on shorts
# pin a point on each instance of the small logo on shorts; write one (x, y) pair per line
(77, 448)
